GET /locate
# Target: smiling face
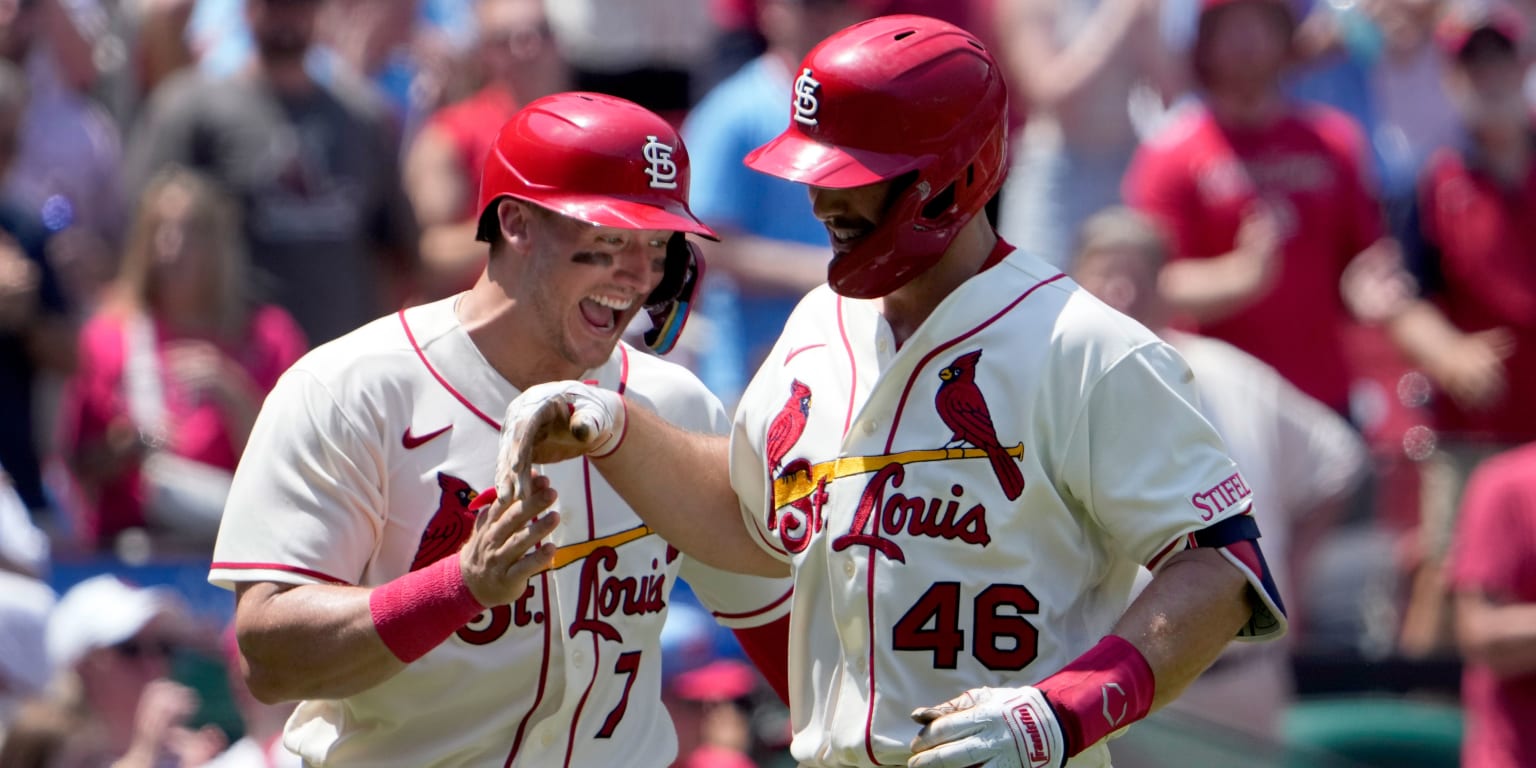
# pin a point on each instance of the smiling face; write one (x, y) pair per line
(583, 284)
(850, 215)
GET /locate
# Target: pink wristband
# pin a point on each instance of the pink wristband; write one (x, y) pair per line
(418, 611)
(1102, 691)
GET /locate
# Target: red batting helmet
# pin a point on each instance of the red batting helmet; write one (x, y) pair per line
(608, 162)
(887, 98)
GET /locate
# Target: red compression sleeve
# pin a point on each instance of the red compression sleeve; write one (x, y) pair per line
(1102, 691)
(768, 647)
(418, 611)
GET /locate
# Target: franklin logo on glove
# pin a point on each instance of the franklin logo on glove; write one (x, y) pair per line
(1039, 753)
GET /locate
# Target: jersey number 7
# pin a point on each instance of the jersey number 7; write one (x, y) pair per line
(940, 606)
(628, 665)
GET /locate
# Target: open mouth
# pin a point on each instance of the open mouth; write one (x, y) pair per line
(846, 237)
(603, 313)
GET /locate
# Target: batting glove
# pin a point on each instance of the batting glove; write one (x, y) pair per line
(555, 422)
(990, 728)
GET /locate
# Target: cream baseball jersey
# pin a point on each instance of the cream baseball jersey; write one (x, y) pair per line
(361, 467)
(972, 508)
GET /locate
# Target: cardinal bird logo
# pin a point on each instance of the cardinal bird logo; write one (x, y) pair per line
(964, 411)
(450, 526)
(788, 425)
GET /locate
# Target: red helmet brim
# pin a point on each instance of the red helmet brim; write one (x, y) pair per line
(628, 214)
(794, 157)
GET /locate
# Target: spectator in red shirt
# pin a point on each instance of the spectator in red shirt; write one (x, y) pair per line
(1493, 572)
(1267, 204)
(518, 63)
(1477, 256)
(1473, 240)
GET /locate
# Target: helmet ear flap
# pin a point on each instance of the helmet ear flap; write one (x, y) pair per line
(488, 226)
(679, 253)
(897, 251)
(669, 303)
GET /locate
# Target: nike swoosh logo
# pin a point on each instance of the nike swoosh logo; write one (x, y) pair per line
(798, 350)
(412, 441)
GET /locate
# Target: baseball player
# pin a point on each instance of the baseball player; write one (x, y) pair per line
(423, 623)
(962, 457)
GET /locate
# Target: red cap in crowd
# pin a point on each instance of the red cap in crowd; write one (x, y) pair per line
(721, 680)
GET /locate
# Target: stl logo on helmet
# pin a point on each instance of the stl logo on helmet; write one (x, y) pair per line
(662, 170)
(806, 102)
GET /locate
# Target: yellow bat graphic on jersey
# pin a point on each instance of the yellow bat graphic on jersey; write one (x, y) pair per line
(570, 553)
(791, 487)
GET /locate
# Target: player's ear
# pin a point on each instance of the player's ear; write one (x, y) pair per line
(516, 221)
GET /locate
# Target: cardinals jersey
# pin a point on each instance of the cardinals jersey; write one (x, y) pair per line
(972, 508)
(362, 466)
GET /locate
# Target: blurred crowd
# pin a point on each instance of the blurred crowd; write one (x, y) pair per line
(1326, 206)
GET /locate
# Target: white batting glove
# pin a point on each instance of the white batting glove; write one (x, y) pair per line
(554, 422)
(991, 728)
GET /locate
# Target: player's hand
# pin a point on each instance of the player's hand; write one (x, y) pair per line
(555, 422)
(991, 727)
(503, 551)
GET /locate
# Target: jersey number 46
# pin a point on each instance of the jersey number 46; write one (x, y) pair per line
(1000, 640)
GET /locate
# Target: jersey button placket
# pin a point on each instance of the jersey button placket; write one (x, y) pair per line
(853, 637)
